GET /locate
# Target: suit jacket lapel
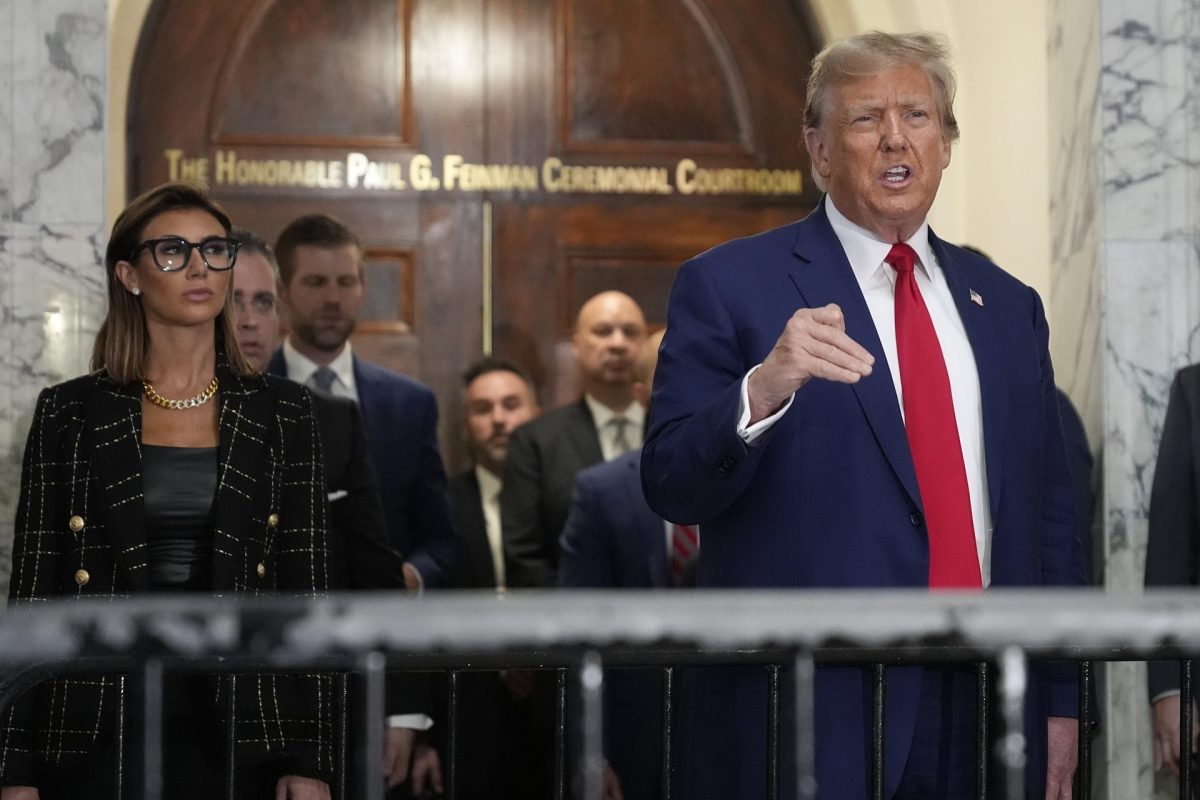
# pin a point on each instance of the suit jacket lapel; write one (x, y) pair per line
(823, 275)
(114, 416)
(364, 387)
(581, 430)
(278, 364)
(474, 531)
(648, 527)
(979, 323)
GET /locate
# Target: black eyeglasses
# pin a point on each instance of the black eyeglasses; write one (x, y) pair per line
(171, 253)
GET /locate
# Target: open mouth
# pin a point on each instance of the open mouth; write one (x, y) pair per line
(898, 174)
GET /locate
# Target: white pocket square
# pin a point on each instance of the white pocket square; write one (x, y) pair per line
(338, 495)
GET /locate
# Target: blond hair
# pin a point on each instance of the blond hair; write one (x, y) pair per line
(873, 52)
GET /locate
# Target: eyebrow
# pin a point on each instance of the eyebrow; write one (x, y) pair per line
(876, 105)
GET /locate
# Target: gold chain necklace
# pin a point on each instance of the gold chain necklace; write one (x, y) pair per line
(192, 402)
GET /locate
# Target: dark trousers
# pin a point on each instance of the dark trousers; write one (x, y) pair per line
(941, 761)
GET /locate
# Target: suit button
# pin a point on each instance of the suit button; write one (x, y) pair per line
(725, 467)
(76, 523)
(82, 577)
(915, 519)
(273, 521)
(261, 570)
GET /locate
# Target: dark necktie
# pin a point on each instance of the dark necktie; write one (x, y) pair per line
(322, 380)
(685, 544)
(932, 433)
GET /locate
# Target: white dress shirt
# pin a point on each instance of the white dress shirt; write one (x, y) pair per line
(877, 280)
(300, 368)
(489, 495)
(602, 415)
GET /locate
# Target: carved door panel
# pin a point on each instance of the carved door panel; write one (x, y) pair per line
(501, 159)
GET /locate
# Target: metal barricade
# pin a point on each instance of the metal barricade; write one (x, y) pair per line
(787, 633)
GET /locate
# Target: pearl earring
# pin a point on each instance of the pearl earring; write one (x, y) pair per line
(135, 291)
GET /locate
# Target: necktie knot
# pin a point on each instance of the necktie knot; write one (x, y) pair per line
(902, 257)
(620, 440)
(322, 380)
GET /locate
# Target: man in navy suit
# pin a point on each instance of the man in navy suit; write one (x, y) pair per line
(320, 265)
(612, 540)
(790, 420)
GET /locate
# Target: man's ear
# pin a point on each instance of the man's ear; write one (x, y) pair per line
(817, 152)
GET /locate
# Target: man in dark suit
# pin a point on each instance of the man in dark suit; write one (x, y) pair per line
(498, 398)
(1173, 547)
(320, 264)
(359, 554)
(849, 401)
(545, 456)
(501, 756)
(613, 540)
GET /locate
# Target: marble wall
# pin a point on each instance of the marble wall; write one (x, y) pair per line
(52, 96)
(1126, 290)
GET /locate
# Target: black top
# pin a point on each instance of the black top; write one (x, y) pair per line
(179, 484)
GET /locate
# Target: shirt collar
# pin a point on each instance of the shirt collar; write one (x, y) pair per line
(489, 484)
(601, 414)
(865, 251)
(300, 367)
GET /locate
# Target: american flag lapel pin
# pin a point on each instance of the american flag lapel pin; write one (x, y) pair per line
(977, 298)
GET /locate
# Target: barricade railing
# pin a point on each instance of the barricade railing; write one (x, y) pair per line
(788, 633)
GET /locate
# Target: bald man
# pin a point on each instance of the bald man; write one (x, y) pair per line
(545, 455)
(612, 540)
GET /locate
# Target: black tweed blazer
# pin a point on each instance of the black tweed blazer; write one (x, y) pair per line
(81, 533)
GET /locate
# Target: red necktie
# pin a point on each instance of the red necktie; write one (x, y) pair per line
(685, 541)
(933, 435)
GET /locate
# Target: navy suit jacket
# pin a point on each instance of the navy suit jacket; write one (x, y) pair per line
(613, 540)
(400, 417)
(828, 498)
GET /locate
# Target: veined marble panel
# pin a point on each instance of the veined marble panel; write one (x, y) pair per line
(52, 95)
(52, 284)
(1149, 113)
(7, 35)
(1152, 292)
(57, 82)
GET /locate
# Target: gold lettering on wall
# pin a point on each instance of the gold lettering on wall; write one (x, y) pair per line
(358, 171)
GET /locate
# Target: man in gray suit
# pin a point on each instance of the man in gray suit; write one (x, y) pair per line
(545, 455)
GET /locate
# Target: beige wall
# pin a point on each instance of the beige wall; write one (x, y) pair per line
(995, 194)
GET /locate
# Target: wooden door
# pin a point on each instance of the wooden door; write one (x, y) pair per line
(502, 160)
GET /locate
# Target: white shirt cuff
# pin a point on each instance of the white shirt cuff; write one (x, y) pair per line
(752, 433)
(416, 722)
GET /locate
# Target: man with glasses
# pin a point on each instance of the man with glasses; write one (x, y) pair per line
(360, 557)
